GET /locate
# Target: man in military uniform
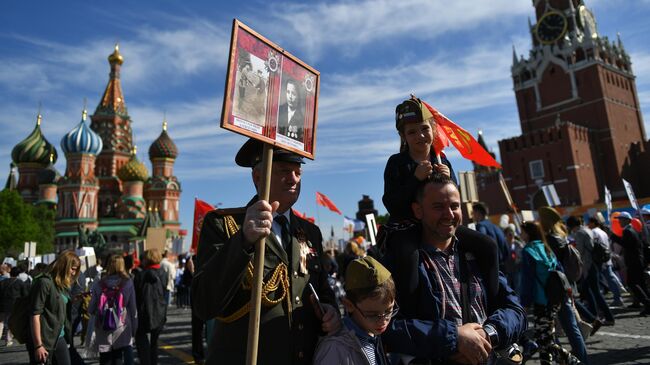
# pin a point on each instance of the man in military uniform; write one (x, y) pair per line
(290, 322)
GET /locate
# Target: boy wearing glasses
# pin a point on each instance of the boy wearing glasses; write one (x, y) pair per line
(370, 304)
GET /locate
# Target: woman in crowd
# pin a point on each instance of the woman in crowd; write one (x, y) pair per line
(10, 290)
(537, 260)
(114, 336)
(51, 311)
(150, 284)
(557, 237)
(415, 162)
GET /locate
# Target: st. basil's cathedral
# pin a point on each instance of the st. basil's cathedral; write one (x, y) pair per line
(105, 188)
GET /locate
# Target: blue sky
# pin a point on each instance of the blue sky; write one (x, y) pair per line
(456, 55)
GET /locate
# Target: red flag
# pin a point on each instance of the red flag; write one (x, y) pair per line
(303, 216)
(323, 200)
(441, 140)
(297, 213)
(201, 208)
(462, 140)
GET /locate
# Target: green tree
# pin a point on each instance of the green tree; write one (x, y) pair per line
(44, 217)
(21, 222)
(382, 219)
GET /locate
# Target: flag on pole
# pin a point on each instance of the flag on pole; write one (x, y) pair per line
(323, 200)
(348, 224)
(354, 225)
(462, 140)
(630, 194)
(201, 208)
(303, 216)
(440, 141)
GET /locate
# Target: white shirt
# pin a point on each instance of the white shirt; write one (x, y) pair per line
(277, 229)
(604, 238)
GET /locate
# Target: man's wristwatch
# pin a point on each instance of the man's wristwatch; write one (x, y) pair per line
(492, 334)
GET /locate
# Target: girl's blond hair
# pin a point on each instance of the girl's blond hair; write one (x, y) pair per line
(115, 266)
(60, 269)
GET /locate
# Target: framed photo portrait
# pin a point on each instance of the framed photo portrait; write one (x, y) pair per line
(270, 94)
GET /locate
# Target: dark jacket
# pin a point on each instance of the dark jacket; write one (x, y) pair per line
(150, 285)
(218, 290)
(297, 122)
(400, 184)
(418, 330)
(10, 290)
(632, 250)
(490, 229)
(46, 301)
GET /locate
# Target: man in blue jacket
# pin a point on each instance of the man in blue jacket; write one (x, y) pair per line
(451, 309)
(483, 225)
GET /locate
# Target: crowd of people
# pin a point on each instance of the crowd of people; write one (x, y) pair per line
(432, 291)
(113, 308)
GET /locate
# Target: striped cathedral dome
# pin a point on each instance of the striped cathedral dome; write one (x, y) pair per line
(34, 149)
(82, 139)
(134, 170)
(163, 146)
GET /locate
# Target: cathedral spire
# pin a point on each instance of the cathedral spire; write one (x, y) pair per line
(514, 56)
(112, 101)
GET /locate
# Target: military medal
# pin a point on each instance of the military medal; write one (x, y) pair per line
(304, 251)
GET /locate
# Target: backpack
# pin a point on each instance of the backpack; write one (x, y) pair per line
(568, 255)
(553, 284)
(152, 306)
(557, 288)
(600, 253)
(19, 319)
(111, 313)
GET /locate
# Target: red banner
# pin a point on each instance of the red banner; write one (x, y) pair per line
(323, 200)
(462, 140)
(201, 208)
(303, 216)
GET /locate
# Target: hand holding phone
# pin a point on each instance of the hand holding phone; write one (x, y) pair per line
(318, 307)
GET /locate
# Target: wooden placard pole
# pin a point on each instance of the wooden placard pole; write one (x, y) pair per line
(511, 203)
(258, 266)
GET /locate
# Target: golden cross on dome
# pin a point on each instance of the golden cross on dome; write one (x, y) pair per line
(84, 113)
(39, 117)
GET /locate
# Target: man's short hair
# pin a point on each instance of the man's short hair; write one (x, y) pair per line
(435, 178)
(573, 221)
(481, 208)
(594, 221)
(294, 82)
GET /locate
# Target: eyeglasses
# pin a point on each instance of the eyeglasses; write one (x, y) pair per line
(379, 317)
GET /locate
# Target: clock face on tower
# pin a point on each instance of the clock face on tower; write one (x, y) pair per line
(551, 27)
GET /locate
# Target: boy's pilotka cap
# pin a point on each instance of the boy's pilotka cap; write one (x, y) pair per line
(250, 154)
(365, 273)
(411, 111)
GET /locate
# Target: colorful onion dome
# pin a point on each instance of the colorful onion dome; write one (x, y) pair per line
(82, 139)
(35, 148)
(163, 146)
(48, 175)
(116, 57)
(134, 170)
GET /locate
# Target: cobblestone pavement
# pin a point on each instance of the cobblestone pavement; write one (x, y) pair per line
(627, 342)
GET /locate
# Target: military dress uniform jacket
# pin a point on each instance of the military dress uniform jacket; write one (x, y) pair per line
(220, 290)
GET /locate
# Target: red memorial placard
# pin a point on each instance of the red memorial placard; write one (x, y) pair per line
(270, 94)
